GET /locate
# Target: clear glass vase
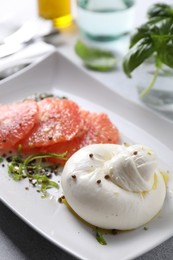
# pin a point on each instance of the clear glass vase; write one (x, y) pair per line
(159, 95)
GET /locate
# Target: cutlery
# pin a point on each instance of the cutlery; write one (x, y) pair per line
(25, 35)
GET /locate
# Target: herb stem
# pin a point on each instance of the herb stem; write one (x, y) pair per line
(32, 168)
(154, 78)
(100, 238)
(41, 156)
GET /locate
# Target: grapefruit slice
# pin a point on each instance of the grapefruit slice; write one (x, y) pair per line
(98, 129)
(70, 147)
(59, 121)
(16, 121)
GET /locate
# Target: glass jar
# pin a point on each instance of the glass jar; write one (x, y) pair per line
(105, 20)
(160, 96)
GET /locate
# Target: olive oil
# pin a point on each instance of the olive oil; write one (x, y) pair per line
(59, 11)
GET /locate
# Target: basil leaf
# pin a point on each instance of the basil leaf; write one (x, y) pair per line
(136, 56)
(89, 53)
(166, 54)
(101, 64)
(94, 58)
(141, 33)
(160, 10)
(154, 40)
(166, 28)
(163, 42)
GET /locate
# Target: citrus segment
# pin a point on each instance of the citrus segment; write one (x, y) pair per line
(16, 121)
(99, 129)
(59, 121)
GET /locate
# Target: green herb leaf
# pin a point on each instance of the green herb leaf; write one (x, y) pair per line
(164, 42)
(136, 56)
(100, 238)
(166, 55)
(1, 159)
(154, 39)
(160, 11)
(140, 33)
(95, 59)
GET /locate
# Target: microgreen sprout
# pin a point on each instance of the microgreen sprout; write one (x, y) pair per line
(34, 168)
(100, 238)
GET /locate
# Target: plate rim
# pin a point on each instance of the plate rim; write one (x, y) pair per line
(32, 225)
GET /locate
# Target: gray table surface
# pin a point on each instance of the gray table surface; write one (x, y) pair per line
(18, 241)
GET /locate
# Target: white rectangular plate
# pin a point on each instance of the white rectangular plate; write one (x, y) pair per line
(57, 75)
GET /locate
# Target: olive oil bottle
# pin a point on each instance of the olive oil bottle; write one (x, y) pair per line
(59, 11)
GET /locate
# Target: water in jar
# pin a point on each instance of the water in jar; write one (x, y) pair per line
(105, 20)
